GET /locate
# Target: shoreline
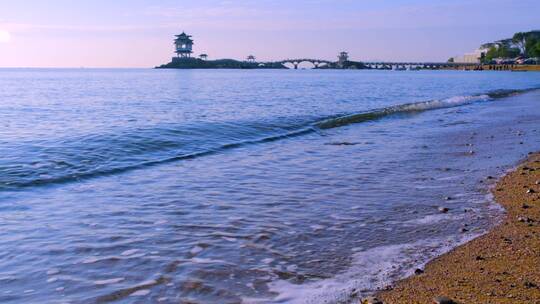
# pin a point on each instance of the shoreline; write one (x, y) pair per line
(501, 266)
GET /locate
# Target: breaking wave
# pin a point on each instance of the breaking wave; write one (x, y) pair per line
(42, 163)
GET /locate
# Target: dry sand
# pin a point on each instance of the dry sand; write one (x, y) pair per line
(502, 266)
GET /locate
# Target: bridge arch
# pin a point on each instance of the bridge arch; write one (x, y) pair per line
(300, 63)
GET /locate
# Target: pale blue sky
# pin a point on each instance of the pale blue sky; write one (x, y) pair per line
(139, 33)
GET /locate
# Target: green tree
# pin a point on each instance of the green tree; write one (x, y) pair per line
(492, 53)
(502, 51)
(530, 47)
(535, 51)
(520, 40)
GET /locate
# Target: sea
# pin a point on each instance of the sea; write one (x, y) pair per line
(247, 186)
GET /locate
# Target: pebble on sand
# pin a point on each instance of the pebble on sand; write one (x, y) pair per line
(443, 300)
(371, 300)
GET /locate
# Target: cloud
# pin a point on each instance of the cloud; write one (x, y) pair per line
(27, 27)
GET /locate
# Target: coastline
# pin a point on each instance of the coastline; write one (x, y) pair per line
(502, 266)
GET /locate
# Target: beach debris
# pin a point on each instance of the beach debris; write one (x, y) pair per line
(530, 191)
(463, 230)
(371, 300)
(447, 198)
(537, 182)
(471, 152)
(524, 219)
(490, 177)
(443, 210)
(418, 271)
(443, 300)
(479, 258)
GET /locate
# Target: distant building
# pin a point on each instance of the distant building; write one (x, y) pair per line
(203, 56)
(251, 58)
(184, 45)
(473, 57)
(343, 57)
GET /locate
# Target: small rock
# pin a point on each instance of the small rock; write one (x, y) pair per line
(524, 219)
(530, 191)
(537, 182)
(418, 271)
(479, 258)
(463, 230)
(447, 198)
(443, 209)
(371, 300)
(525, 206)
(528, 284)
(490, 177)
(443, 300)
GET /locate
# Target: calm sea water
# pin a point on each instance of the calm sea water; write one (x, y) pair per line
(139, 186)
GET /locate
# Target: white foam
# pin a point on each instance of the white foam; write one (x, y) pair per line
(430, 219)
(445, 103)
(140, 293)
(196, 250)
(208, 261)
(109, 281)
(90, 260)
(129, 252)
(53, 271)
(370, 270)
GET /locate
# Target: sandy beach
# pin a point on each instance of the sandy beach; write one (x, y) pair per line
(502, 266)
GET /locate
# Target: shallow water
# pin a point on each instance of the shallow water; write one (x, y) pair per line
(245, 186)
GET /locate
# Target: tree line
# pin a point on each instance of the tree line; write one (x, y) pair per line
(526, 44)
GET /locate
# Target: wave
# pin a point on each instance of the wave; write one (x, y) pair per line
(405, 108)
(74, 159)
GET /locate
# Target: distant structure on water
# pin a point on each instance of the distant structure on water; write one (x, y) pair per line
(343, 57)
(184, 45)
(184, 60)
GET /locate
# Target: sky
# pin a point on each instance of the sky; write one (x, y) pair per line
(140, 33)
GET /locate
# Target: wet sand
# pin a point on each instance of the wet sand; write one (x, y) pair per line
(502, 266)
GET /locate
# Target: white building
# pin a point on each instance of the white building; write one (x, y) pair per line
(473, 57)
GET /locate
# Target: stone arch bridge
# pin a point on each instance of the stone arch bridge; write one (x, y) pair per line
(382, 65)
(412, 65)
(296, 62)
